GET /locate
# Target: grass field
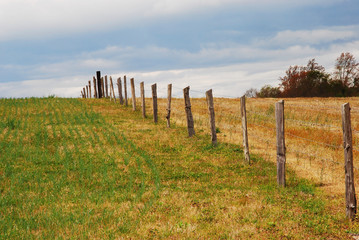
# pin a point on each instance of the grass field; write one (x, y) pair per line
(91, 169)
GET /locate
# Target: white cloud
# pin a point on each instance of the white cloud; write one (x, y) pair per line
(312, 37)
(27, 19)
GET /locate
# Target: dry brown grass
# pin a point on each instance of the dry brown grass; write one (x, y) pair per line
(313, 132)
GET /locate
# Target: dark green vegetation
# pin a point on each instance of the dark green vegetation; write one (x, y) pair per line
(92, 169)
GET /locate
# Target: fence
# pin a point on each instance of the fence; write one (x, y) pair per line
(305, 134)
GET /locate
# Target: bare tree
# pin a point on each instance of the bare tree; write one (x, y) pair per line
(347, 70)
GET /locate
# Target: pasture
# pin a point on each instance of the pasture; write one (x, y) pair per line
(92, 169)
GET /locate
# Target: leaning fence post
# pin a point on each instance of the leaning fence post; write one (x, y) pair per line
(106, 85)
(99, 84)
(279, 115)
(350, 198)
(119, 86)
(87, 91)
(209, 98)
(154, 102)
(169, 98)
(133, 94)
(90, 88)
(125, 89)
(187, 101)
(143, 104)
(112, 90)
(244, 129)
(94, 87)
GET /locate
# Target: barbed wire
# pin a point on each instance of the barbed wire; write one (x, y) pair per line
(311, 140)
(314, 155)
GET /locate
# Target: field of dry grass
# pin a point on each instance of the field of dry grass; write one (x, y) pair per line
(313, 132)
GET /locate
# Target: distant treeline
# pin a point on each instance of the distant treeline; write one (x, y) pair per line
(313, 81)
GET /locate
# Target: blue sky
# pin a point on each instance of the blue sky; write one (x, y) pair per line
(56, 46)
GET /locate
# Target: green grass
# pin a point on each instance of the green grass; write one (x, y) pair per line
(91, 169)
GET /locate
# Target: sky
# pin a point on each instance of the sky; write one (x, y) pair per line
(54, 47)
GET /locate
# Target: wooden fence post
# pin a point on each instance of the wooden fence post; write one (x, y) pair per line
(169, 98)
(112, 90)
(350, 198)
(209, 98)
(103, 87)
(84, 92)
(106, 85)
(187, 101)
(125, 89)
(244, 129)
(119, 86)
(99, 84)
(90, 88)
(154, 102)
(87, 91)
(94, 87)
(133, 94)
(279, 115)
(143, 104)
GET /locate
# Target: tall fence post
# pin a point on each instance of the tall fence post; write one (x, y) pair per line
(350, 198)
(125, 89)
(279, 115)
(106, 85)
(119, 86)
(209, 98)
(169, 98)
(133, 94)
(90, 88)
(87, 91)
(244, 129)
(187, 101)
(84, 92)
(112, 90)
(143, 103)
(99, 84)
(154, 102)
(94, 87)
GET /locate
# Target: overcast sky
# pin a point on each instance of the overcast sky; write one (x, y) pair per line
(55, 46)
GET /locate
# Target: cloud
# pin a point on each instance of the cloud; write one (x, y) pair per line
(29, 19)
(312, 37)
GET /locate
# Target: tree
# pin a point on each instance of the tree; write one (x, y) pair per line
(347, 70)
(269, 92)
(250, 93)
(305, 81)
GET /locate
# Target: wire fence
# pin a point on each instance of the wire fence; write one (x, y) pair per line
(261, 123)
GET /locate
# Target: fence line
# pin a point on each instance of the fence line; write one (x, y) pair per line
(281, 159)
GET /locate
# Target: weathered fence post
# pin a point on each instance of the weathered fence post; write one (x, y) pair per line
(154, 102)
(133, 94)
(279, 115)
(84, 92)
(169, 98)
(99, 84)
(350, 198)
(106, 85)
(111, 89)
(119, 86)
(103, 87)
(87, 91)
(125, 89)
(209, 98)
(90, 88)
(94, 87)
(143, 104)
(244, 129)
(187, 101)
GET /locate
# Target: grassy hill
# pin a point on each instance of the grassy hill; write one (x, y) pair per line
(92, 169)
